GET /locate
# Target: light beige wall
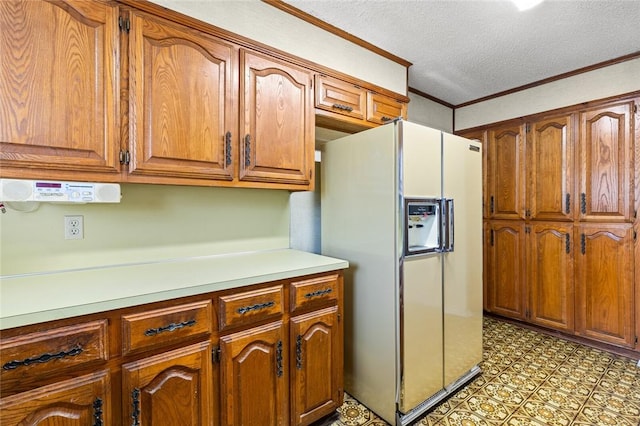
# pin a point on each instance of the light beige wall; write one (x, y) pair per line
(259, 21)
(613, 80)
(432, 114)
(152, 222)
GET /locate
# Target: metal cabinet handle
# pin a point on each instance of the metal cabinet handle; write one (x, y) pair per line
(583, 243)
(41, 359)
(299, 352)
(135, 406)
(343, 107)
(318, 293)
(97, 412)
(247, 150)
(567, 202)
(583, 203)
(227, 143)
(279, 368)
(170, 327)
(567, 243)
(256, 307)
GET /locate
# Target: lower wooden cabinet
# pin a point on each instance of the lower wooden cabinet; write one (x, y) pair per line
(81, 401)
(255, 376)
(172, 388)
(268, 354)
(506, 276)
(551, 275)
(315, 365)
(575, 278)
(605, 283)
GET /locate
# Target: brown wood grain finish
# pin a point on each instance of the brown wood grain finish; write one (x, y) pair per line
(254, 375)
(340, 97)
(382, 109)
(506, 175)
(173, 388)
(76, 402)
(551, 276)
(315, 364)
(241, 309)
(162, 327)
(506, 290)
(58, 103)
(605, 283)
(550, 169)
(582, 169)
(311, 293)
(276, 121)
(606, 178)
(182, 102)
(52, 352)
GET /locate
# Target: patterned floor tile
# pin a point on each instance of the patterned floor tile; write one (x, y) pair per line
(532, 379)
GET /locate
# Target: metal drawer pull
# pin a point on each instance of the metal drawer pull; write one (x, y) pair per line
(318, 293)
(171, 327)
(12, 365)
(256, 307)
(343, 107)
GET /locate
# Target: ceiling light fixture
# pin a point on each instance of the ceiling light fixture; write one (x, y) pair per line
(526, 4)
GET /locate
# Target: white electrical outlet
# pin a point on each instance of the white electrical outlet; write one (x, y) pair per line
(73, 227)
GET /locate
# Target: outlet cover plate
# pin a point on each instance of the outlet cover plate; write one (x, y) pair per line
(73, 227)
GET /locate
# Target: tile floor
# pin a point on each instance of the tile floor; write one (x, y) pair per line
(532, 379)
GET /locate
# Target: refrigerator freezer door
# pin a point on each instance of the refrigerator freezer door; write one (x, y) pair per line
(462, 181)
(421, 324)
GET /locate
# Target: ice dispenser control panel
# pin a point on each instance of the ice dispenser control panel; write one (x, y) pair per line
(422, 226)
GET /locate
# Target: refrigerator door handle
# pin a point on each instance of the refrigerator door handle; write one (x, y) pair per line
(448, 222)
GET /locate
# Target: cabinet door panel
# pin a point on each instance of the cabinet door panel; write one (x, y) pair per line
(277, 121)
(254, 376)
(550, 281)
(80, 401)
(551, 171)
(605, 161)
(506, 173)
(172, 388)
(316, 365)
(58, 87)
(180, 84)
(605, 283)
(507, 275)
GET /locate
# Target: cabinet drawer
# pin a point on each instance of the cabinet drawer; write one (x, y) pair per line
(314, 292)
(165, 326)
(251, 306)
(382, 109)
(51, 352)
(340, 97)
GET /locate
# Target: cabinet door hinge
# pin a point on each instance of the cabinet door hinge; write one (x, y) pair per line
(125, 157)
(528, 127)
(635, 109)
(124, 24)
(635, 235)
(527, 230)
(491, 238)
(636, 340)
(215, 355)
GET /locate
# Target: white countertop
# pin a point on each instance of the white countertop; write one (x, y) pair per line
(34, 298)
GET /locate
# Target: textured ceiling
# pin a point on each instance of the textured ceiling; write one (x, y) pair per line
(463, 50)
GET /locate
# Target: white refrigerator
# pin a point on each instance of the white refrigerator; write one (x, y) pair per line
(403, 204)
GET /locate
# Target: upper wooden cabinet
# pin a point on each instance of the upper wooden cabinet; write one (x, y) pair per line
(550, 169)
(605, 158)
(182, 101)
(506, 172)
(350, 107)
(276, 121)
(59, 89)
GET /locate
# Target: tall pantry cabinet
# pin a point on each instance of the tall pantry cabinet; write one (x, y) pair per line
(559, 214)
